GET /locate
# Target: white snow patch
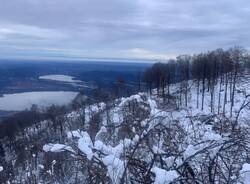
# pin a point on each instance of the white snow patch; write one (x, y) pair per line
(99, 145)
(211, 136)
(245, 173)
(136, 97)
(74, 134)
(57, 148)
(153, 106)
(85, 145)
(115, 167)
(190, 150)
(116, 118)
(164, 177)
(41, 166)
(1, 168)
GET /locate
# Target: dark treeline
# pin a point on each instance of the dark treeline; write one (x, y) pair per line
(219, 67)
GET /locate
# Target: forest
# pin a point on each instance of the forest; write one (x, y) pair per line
(206, 70)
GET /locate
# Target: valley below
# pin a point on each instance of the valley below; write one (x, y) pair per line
(56, 83)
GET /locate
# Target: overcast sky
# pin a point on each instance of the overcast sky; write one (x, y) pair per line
(146, 29)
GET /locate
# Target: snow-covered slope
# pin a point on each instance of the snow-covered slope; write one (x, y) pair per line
(144, 139)
(141, 138)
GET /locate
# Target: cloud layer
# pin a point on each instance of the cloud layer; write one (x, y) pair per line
(150, 29)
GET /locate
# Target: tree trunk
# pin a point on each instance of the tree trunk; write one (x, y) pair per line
(225, 94)
(198, 92)
(219, 95)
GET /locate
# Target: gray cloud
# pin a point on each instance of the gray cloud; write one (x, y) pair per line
(120, 28)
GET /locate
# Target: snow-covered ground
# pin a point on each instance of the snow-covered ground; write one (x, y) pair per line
(22, 101)
(61, 78)
(192, 130)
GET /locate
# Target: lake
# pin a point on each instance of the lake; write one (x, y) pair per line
(23, 83)
(22, 101)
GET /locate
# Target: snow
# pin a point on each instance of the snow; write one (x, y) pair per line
(245, 173)
(158, 150)
(211, 136)
(116, 118)
(22, 101)
(136, 138)
(153, 106)
(84, 142)
(99, 145)
(1, 168)
(61, 78)
(245, 168)
(57, 148)
(111, 159)
(164, 177)
(136, 97)
(113, 162)
(194, 125)
(115, 167)
(85, 145)
(190, 150)
(41, 166)
(74, 134)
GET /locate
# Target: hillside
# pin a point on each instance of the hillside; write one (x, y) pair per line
(139, 139)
